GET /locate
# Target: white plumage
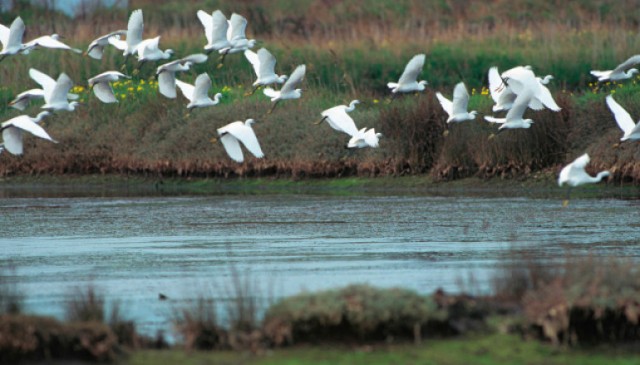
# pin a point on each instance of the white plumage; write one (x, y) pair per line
(14, 128)
(514, 118)
(149, 50)
(365, 138)
(11, 38)
(96, 47)
(198, 94)
(48, 41)
(339, 119)
(574, 174)
(457, 109)
(167, 73)
(289, 89)
(522, 79)
(216, 27)
(264, 65)
(238, 132)
(135, 29)
(55, 94)
(625, 122)
(238, 41)
(621, 72)
(101, 85)
(409, 79)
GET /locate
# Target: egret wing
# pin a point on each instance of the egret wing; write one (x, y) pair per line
(460, 99)
(202, 86)
(623, 118)
(371, 138)
(247, 136)
(60, 91)
(167, 84)
(45, 81)
(16, 33)
(267, 62)
(294, 80)
(207, 23)
(118, 43)
(545, 97)
(232, 146)
(254, 60)
(412, 70)
(195, 58)
(220, 27)
(447, 105)
(496, 85)
(340, 120)
(50, 42)
(26, 124)
(238, 27)
(12, 139)
(104, 92)
(187, 89)
(135, 28)
(631, 61)
(519, 106)
(4, 35)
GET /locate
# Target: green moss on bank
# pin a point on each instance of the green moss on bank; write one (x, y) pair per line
(486, 350)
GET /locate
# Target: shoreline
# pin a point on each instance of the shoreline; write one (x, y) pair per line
(538, 185)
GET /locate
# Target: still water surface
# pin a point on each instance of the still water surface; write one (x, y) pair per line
(133, 248)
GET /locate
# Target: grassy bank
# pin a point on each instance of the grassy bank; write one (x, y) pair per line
(150, 136)
(488, 350)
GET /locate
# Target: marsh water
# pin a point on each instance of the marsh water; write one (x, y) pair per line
(134, 247)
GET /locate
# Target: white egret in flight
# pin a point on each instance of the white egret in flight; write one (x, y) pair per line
(14, 128)
(625, 122)
(101, 85)
(166, 73)
(457, 109)
(621, 72)
(238, 132)
(574, 174)
(198, 94)
(408, 81)
(289, 90)
(264, 65)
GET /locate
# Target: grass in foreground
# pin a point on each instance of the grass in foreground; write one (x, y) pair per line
(487, 350)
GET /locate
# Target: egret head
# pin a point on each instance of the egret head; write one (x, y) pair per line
(632, 71)
(282, 78)
(251, 43)
(249, 122)
(168, 53)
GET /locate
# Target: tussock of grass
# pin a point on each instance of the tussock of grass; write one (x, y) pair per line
(354, 313)
(33, 338)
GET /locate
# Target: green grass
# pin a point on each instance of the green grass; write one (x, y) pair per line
(482, 350)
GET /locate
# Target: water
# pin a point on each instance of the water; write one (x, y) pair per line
(133, 248)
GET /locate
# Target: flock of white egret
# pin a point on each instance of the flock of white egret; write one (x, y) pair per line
(514, 91)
